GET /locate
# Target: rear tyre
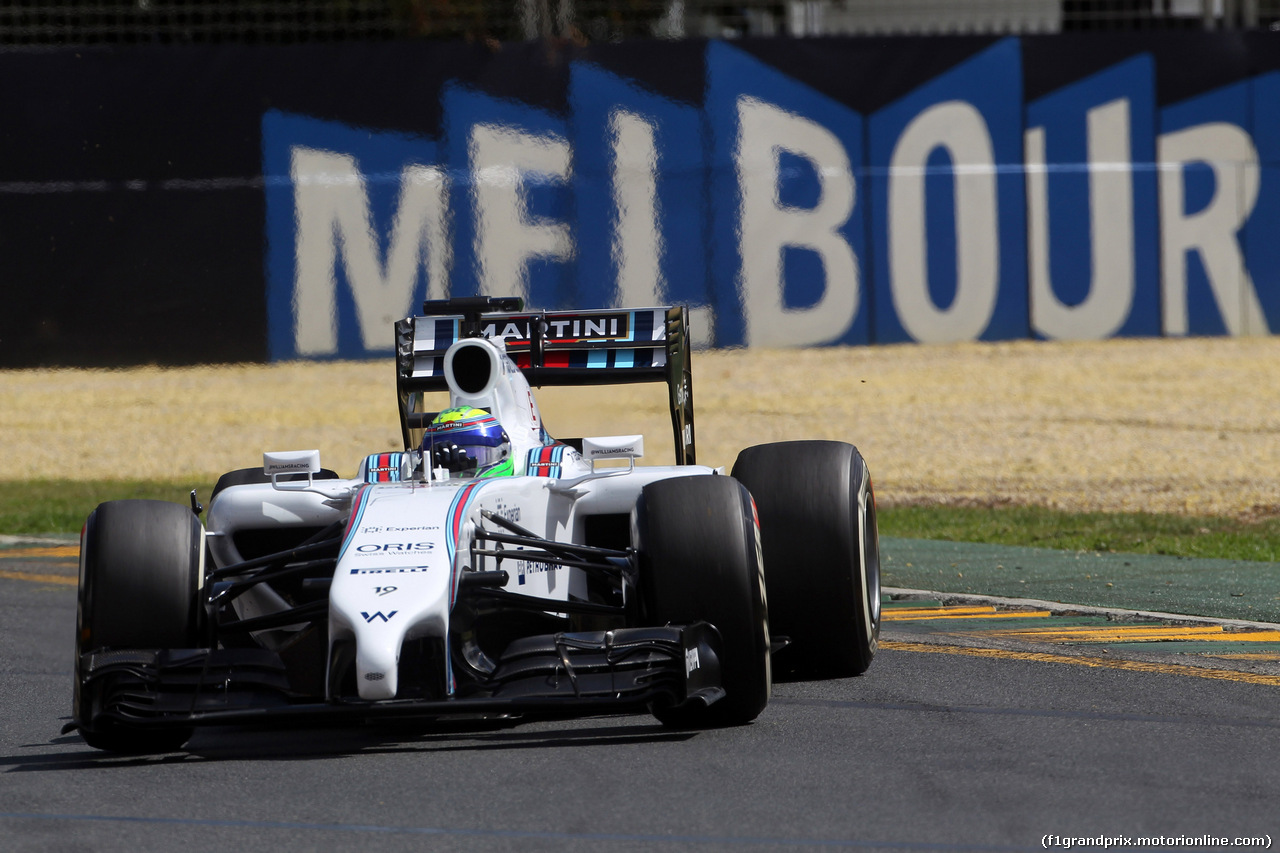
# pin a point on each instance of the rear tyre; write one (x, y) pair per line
(700, 561)
(821, 553)
(141, 569)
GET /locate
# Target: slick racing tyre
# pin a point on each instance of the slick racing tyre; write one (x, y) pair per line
(821, 553)
(141, 565)
(699, 561)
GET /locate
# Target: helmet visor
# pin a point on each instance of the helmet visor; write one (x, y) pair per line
(466, 450)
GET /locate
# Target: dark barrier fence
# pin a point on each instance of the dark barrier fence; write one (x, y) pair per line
(212, 203)
(96, 22)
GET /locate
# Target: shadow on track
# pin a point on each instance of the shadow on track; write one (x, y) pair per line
(319, 743)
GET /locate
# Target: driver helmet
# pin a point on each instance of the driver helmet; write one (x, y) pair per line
(469, 442)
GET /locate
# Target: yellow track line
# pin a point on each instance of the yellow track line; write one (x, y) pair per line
(1096, 635)
(1109, 635)
(1243, 655)
(1251, 637)
(1111, 629)
(890, 616)
(904, 612)
(1101, 663)
(69, 551)
(27, 576)
(1084, 633)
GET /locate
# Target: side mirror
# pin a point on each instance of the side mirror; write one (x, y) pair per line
(629, 447)
(281, 462)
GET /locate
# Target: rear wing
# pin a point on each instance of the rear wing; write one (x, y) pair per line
(597, 347)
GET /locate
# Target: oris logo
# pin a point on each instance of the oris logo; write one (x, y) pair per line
(396, 547)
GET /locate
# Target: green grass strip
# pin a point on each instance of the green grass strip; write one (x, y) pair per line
(1130, 533)
(61, 506)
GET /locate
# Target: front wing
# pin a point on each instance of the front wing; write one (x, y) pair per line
(554, 675)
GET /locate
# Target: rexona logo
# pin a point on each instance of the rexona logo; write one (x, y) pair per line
(396, 547)
(958, 210)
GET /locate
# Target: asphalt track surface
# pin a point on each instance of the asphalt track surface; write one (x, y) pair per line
(942, 745)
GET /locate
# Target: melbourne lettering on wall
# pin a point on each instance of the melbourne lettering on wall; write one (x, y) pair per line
(783, 217)
(791, 192)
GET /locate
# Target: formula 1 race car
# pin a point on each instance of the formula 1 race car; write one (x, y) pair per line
(486, 570)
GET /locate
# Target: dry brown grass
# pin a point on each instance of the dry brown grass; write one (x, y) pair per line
(1178, 425)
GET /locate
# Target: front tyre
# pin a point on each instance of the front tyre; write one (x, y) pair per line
(821, 552)
(700, 561)
(141, 570)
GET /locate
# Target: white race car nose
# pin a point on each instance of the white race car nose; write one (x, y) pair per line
(378, 656)
(393, 581)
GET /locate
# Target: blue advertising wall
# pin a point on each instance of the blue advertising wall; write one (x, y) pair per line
(229, 203)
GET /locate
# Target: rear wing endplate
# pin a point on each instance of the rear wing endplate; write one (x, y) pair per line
(597, 347)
